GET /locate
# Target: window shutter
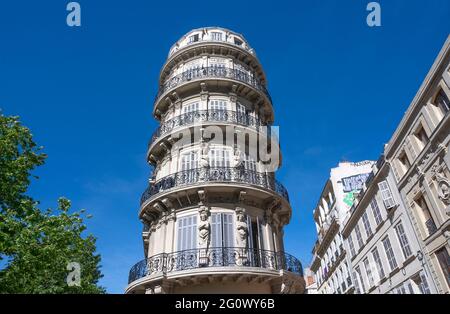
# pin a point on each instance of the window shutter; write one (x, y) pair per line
(187, 233)
(386, 194)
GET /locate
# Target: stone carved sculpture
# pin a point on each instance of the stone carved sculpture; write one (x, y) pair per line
(204, 160)
(443, 188)
(204, 227)
(241, 227)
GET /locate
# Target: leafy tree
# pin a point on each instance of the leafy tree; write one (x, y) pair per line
(38, 245)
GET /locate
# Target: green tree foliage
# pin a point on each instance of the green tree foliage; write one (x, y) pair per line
(36, 246)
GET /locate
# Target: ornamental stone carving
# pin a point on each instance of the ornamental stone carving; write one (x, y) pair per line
(241, 227)
(443, 187)
(204, 227)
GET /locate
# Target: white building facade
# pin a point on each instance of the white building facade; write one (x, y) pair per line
(330, 265)
(397, 233)
(383, 249)
(213, 213)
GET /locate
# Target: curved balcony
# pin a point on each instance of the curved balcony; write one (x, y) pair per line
(215, 175)
(211, 72)
(215, 257)
(202, 116)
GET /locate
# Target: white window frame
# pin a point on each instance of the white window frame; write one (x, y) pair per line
(187, 232)
(386, 194)
(403, 239)
(392, 261)
(376, 211)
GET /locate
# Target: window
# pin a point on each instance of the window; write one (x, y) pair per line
(359, 237)
(421, 137)
(218, 105)
(389, 253)
(422, 283)
(193, 38)
(444, 262)
(356, 281)
(376, 212)
(241, 113)
(351, 245)
(368, 272)
(189, 161)
(367, 226)
(427, 219)
(360, 279)
(404, 162)
(377, 259)
(216, 36)
(442, 102)
(222, 230)
(237, 41)
(403, 240)
(386, 195)
(191, 107)
(219, 157)
(187, 233)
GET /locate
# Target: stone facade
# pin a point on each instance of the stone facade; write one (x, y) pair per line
(213, 213)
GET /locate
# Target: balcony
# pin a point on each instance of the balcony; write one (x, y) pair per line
(215, 175)
(211, 72)
(202, 116)
(166, 263)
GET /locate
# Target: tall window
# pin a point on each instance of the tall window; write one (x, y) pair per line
(218, 105)
(351, 245)
(386, 195)
(404, 162)
(187, 233)
(356, 281)
(376, 211)
(421, 137)
(189, 161)
(389, 253)
(442, 102)
(219, 157)
(422, 283)
(367, 226)
(360, 279)
(368, 272)
(358, 236)
(406, 249)
(377, 259)
(241, 113)
(216, 36)
(427, 219)
(444, 261)
(222, 230)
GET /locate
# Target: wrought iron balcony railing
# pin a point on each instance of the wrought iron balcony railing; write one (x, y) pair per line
(214, 257)
(202, 116)
(215, 174)
(212, 72)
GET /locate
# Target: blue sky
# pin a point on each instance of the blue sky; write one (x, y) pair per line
(339, 90)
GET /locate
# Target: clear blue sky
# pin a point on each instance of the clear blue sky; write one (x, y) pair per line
(339, 90)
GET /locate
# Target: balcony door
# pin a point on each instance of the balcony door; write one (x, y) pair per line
(222, 239)
(188, 164)
(186, 256)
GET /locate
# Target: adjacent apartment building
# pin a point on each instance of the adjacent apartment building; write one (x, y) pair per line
(332, 272)
(397, 232)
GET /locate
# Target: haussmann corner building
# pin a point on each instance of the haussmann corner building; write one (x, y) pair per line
(213, 213)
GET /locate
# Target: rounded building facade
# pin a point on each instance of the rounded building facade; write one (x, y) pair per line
(213, 212)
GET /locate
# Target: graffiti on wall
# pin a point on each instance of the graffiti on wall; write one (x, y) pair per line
(352, 185)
